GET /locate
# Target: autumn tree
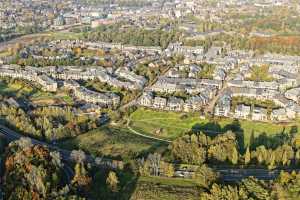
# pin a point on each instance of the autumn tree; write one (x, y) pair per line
(112, 181)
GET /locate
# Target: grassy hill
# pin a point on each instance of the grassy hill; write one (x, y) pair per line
(158, 188)
(113, 142)
(172, 125)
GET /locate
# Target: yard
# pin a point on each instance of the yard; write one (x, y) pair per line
(170, 125)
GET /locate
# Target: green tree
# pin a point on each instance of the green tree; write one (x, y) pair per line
(247, 156)
(235, 156)
(112, 181)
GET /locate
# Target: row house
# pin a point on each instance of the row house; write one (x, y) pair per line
(71, 84)
(261, 94)
(106, 99)
(293, 94)
(279, 115)
(30, 74)
(170, 85)
(177, 48)
(254, 84)
(47, 83)
(223, 106)
(139, 80)
(194, 103)
(259, 114)
(242, 111)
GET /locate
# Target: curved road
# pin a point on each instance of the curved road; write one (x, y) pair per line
(11, 135)
(146, 136)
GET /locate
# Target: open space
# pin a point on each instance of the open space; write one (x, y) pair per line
(113, 142)
(170, 125)
(157, 188)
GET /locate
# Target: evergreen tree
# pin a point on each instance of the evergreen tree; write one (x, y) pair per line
(247, 156)
(235, 156)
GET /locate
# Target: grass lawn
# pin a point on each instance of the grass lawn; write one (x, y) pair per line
(37, 96)
(47, 98)
(113, 142)
(170, 181)
(4, 54)
(156, 188)
(173, 124)
(15, 88)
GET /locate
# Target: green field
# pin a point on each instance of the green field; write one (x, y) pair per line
(172, 125)
(4, 54)
(24, 89)
(15, 88)
(113, 142)
(157, 188)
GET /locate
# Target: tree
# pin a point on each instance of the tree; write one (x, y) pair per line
(23, 143)
(78, 156)
(81, 178)
(112, 181)
(285, 160)
(154, 160)
(205, 175)
(167, 169)
(247, 156)
(235, 156)
(297, 156)
(272, 161)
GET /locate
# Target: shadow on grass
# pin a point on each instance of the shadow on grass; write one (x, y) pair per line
(126, 186)
(272, 141)
(213, 129)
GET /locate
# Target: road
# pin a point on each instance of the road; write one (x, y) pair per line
(147, 88)
(210, 107)
(235, 175)
(147, 136)
(11, 135)
(228, 174)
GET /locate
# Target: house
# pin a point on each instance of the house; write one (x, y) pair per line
(279, 115)
(223, 106)
(175, 104)
(259, 114)
(219, 74)
(71, 84)
(106, 99)
(195, 103)
(286, 83)
(173, 73)
(160, 103)
(242, 111)
(47, 83)
(293, 94)
(254, 84)
(293, 110)
(146, 99)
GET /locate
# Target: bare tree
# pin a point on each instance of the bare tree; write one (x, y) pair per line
(154, 160)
